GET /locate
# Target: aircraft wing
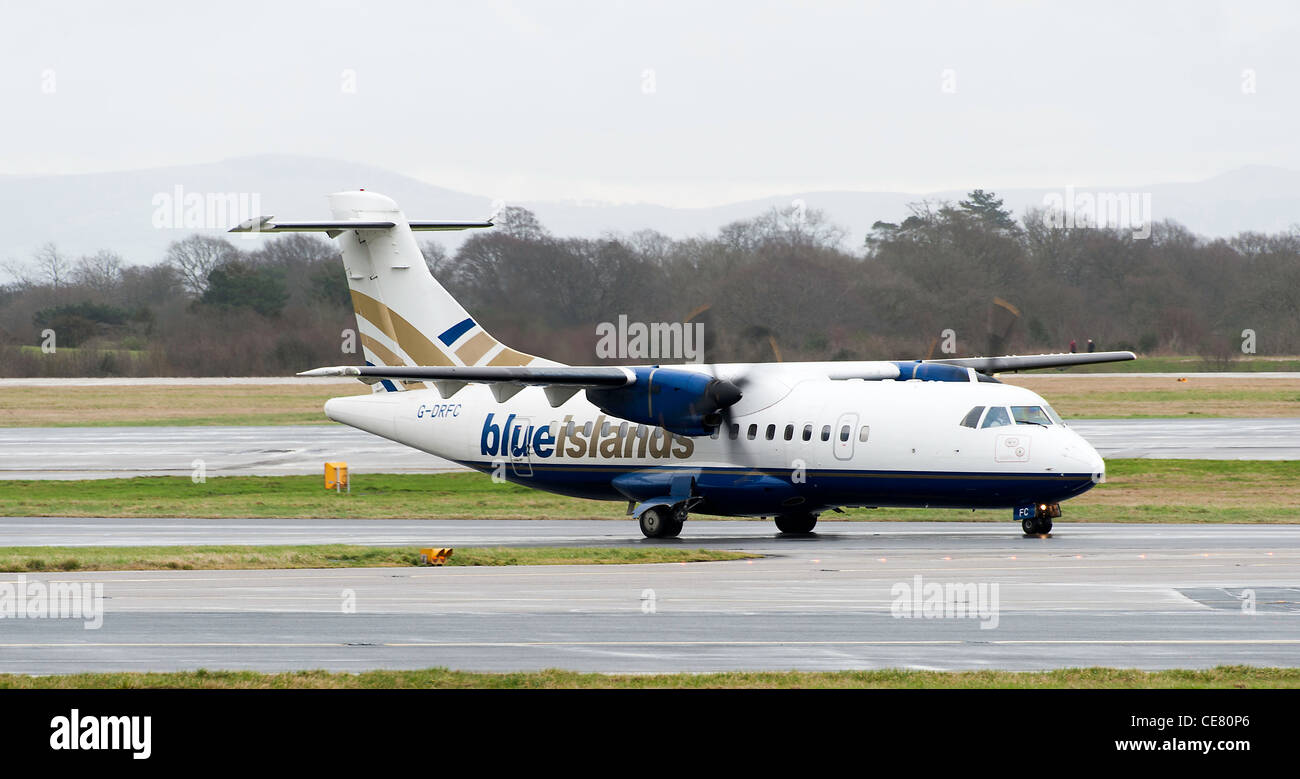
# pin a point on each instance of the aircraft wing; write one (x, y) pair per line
(561, 382)
(561, 374)
(1031, 361)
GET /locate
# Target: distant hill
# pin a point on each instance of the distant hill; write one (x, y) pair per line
(83, 213)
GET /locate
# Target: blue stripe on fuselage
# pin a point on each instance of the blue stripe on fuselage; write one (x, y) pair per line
(735, 490)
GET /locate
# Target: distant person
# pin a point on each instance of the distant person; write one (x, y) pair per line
(1074, 346)
(1092, 347)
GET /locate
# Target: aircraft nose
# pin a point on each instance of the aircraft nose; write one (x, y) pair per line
(1097, 465)
(1082, 456)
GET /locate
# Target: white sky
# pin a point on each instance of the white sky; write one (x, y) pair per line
(534, 101)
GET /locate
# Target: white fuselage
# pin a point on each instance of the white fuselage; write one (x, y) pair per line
(810, 442)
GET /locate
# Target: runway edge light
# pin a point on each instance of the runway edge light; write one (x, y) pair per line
(336, 477)
(435, 555)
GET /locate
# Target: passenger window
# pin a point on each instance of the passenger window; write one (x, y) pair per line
(735, 432)
(864, 433)
(604, 429)
(569, 432)
(972, 419)
(752, 433)
(716, 431)
(1030, 415)
(586, 429)
(997, 417)
(844, 433)
(771, 432)
(807, 432)
(826, 432)
(789, 432)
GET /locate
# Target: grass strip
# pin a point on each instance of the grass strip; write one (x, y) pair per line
(1222, 677)
(28, 559)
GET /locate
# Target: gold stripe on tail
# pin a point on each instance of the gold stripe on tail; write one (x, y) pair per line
(425, 352)
(405, 334)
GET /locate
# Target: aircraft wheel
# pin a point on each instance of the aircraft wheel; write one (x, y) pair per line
(796, 523)
(658, 522)
(1036, 526)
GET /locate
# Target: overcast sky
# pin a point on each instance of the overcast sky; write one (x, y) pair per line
(691, 103)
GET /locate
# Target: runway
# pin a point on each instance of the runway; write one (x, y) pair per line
(1194, 439)
(1146, 596)
(116, 452)
(108, 452)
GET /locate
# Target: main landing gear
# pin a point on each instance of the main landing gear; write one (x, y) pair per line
(662, 522)
(1040, 524)
(667, 521)
(796, 523)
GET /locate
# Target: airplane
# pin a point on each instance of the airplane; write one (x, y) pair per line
(785, 440)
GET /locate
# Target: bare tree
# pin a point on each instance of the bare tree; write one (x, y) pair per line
(520, 223)
(101, 270)
(436, 257)
(51, 266)
(195, 257)
(20, 273)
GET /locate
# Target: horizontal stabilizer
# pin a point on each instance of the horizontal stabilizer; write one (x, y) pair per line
(1032, 361)
(267, 224)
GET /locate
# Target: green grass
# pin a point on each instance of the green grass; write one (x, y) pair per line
(394, 496)
(203, 558)
(1245, 491)
(150, 406)
(1255, 401)
(1228, 677)
(133, 353)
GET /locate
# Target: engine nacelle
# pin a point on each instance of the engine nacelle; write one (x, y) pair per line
(679, 401)
(931, 371)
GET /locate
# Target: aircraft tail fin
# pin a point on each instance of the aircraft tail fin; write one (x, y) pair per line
(404, 316)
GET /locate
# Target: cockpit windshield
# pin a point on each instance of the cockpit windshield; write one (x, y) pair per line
(1030, 415)
(997, 417)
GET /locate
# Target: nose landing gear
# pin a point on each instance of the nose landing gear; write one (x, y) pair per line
(1039, 523)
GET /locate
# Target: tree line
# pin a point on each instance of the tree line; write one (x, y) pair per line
(962, 279)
